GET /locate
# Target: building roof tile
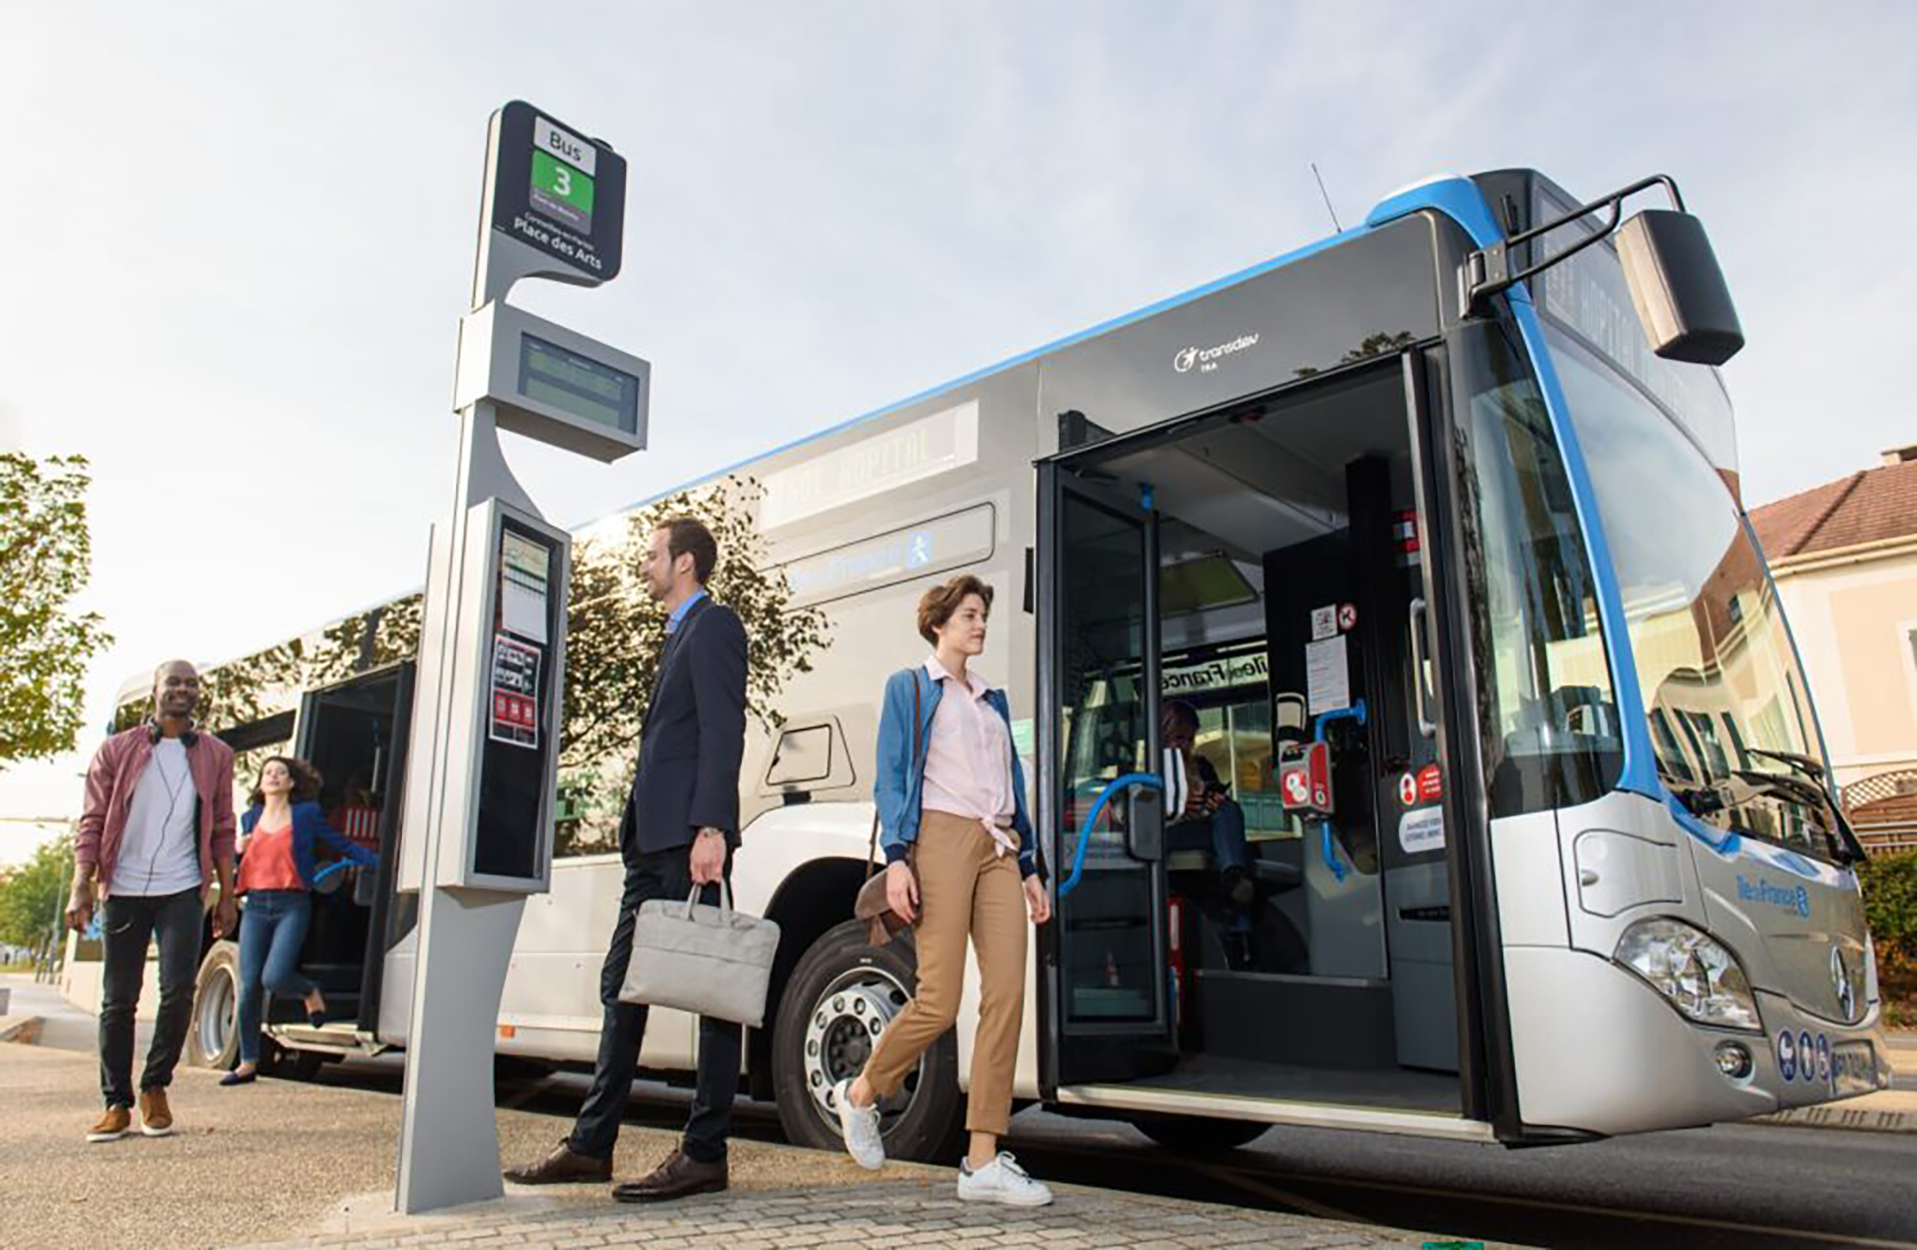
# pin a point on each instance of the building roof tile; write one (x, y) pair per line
(1864, 507)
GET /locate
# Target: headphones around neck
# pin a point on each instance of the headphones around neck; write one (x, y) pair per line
(153, 735)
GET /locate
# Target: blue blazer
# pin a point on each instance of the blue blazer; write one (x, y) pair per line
(693, 738)
(309, 826)
(901, 779)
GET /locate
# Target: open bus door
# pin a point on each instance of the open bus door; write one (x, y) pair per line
(355, 734)
(1106, 1003)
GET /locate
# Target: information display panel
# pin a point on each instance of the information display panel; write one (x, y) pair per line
(513, 811)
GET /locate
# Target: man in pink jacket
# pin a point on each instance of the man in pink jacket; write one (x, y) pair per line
(156, 830)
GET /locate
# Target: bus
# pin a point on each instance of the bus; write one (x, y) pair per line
(1459, 584)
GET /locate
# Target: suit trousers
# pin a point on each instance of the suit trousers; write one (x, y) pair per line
(665, 874)
(966, 890)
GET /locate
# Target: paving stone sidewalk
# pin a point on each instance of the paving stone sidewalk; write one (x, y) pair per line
(920, 1213)
(312, 1165)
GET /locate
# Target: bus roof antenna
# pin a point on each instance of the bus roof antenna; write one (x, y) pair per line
(1327, 195)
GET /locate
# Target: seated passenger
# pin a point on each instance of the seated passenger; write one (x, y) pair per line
(1212, 820)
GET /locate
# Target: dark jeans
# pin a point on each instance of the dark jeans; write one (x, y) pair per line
(126, 924)
(272, 930)
(655, 874)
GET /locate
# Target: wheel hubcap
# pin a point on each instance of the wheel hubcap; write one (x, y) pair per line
(218, 1006)
(846, 1023)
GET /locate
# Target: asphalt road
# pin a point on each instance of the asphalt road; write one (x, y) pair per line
(1732, 1186)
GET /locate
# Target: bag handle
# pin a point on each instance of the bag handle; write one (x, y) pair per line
(872, 847)
(725, 900)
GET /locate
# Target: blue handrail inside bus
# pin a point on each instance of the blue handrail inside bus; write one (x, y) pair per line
(1330, 852)
(1085, 831)
(330, 869)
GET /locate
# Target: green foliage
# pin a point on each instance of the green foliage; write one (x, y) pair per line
(1889, 883)
(31, 895)
(45, 554)
(615, 632)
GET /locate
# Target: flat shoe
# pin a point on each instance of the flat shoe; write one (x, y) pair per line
(234, 1078)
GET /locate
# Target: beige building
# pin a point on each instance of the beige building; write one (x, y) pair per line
(1844, 556)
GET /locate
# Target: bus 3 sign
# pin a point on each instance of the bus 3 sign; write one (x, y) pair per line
(559, 192)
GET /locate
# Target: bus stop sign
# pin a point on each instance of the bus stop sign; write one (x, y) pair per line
(557, 192)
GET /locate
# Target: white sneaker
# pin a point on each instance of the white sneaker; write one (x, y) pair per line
(1002, 1180)
(860, 1126)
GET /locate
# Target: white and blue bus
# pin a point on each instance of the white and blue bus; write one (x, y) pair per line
(1417, 513)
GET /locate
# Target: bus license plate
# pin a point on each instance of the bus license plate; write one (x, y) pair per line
(1853, 1069)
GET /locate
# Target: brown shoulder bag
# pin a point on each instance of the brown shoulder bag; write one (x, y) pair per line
(882, 924)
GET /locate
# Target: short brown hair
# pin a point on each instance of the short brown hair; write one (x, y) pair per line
(937, 604)
(306, 780)
(686, 536)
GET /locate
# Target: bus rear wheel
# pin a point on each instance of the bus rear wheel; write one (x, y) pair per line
(837, 1004)
(1197, 1135)
(214, 1039)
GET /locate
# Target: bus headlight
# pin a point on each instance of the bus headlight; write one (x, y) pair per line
(1689, 967)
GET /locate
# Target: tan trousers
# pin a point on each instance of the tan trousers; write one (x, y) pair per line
(964, 890)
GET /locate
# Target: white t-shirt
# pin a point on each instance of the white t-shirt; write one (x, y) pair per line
(160, 850)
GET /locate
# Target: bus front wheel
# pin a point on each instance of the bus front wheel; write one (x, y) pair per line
(837, 1004)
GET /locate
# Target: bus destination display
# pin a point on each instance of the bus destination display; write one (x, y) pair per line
(575, 384)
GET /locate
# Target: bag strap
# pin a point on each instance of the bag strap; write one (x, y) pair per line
(725, 898)
(872, 848)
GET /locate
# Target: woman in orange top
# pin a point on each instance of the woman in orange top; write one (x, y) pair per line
(276, 878)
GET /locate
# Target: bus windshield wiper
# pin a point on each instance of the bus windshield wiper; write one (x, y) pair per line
(1810, 766)
(1784, 786)
(1699, 801)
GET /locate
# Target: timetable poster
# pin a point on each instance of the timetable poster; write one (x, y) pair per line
(514, 717)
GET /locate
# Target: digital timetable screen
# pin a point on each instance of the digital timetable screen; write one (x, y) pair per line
(575, 384)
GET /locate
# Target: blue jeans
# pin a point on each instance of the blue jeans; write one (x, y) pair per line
(272, 930)
(1223, 834)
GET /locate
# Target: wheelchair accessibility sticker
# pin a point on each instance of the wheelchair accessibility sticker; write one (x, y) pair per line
(1787, 1055)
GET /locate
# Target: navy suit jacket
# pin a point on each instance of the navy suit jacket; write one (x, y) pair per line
(693, 737)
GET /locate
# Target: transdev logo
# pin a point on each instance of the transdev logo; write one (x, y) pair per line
(1205, 359)
(1791, 897)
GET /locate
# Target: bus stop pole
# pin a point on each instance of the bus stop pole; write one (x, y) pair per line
(449, 1138)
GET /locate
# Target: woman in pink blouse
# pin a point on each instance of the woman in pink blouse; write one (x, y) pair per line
(960, 864)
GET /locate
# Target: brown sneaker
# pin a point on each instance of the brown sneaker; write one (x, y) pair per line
(563, 1166)
(156, 1118)
(112, 1126)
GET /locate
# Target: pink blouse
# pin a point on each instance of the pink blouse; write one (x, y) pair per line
(968, 758)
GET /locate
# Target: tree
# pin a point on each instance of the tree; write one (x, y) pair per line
(615, 632)
(45, 554)
(30, 895)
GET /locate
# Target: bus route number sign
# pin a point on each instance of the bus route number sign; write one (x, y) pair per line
(556, 190)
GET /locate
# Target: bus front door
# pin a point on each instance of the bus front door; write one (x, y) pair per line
(1105, 985)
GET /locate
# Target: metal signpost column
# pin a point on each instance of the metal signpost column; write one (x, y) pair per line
(479, 800)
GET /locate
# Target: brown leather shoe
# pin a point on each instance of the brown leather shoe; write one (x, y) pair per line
(564, 1166)
(156, 1118)
(112, 1125)
(678, 1177)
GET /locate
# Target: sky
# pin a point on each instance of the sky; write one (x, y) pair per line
(235, 240)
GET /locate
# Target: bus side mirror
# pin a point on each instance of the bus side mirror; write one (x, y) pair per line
(1678, 289)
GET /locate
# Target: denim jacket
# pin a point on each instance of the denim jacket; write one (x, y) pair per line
(310, 826)
(901, 779)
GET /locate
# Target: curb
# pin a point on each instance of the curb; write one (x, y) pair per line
(22, 1030)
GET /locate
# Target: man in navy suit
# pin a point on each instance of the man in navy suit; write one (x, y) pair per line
(680, 827)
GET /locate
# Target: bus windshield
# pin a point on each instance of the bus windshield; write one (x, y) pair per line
(1730, 718)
